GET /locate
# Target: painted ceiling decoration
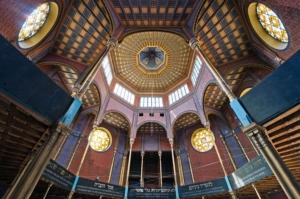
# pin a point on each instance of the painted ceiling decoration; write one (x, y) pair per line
(214, 97)
(152, 58)
(91, 97)
(186, 120)
(151, 127)
(174, 69)
(221, 32)
(84, 32)
(153, 13)
(117, 120)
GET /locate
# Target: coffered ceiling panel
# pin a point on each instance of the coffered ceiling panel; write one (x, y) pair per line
(174, 69)
(214, 97)
(84, 32)
(221, 32)
(151, 127)
(91, 97)
(186, 120)
(154, 12)
(117, 120)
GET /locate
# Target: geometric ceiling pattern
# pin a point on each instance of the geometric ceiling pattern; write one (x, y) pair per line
(84, 32)
(214, 97)
(221, 32)
(174, 69)
(117, 120)
(153, 13)
(91, 97)
(151, 127)
(236, 76)
(186, 120)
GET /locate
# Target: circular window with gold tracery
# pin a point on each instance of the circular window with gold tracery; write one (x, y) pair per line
(34, 22)
(203, 139)
(100, 139)
(271, 23)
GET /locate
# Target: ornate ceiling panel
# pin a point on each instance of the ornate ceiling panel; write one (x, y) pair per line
(186, 120)
(154, 12)
(84, 32)
(174, 69)
(236, 76)
(151, 127)
(91, 97)
(117, 120)
(214, 97)
(221, 32)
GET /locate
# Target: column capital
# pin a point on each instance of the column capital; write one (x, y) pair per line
(253, 129)
(112, 43)
(131, 141)
(171, 141)
(194, 42)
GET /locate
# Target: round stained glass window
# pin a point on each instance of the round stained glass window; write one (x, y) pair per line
(271, 23)
(100, 139)
(203, 139)
(34, 22)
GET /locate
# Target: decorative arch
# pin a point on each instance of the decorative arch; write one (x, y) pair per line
(218, 114)
(117, 119)
(184, 114)
(150, 121)
(214, 97)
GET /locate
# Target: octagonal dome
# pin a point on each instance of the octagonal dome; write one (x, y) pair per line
(152, 58)
(169, 53)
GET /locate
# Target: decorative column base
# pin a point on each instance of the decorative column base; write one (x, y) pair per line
(280, 170)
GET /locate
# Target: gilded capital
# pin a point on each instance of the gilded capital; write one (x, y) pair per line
(194, 42)
(112, 43)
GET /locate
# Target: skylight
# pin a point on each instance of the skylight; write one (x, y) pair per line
(124, 93)
(196, 70)
(151, 102)
(107, 70)
(178, 94)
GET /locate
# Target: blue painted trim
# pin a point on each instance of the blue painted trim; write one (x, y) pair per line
(228, 183)
(240, 112)
(75, 183)
(71, 113)
(126, 192)
(176, 191)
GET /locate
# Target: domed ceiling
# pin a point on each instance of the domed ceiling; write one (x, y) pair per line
(152, 61)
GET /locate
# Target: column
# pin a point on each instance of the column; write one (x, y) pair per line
(112, 166)
(160, 170)
(231, 192)
(280, 170)
(227, 150)
(122, 170)
(248, 160)
(46, 193)
(84, 82)
(79, 167)
(191, 168)
(181, 177)
(128, 168)
(32, 175)
(244, 118)
(174, 168)
(74, 152)
(142, 170)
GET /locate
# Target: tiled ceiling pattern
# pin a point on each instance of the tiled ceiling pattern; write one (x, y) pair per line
(84, 32)
(214, 97)
(91, 97)
(174, 70)
(117, 120)
(153, 12)
(151, 127)
(221, 32)
(186, 120)
(236, 76)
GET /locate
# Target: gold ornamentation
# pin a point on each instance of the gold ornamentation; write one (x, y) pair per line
(203, 139)
(100, 139)
(34, 22)
(271, 23)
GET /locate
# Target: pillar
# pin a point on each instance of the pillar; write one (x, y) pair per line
(160, 170)
(280, 170)
(112, 166)
(142, 170)
(128, 168)
(46, 193)
(191, 168)
(32, 175)
(121, 179)
(181, 177)
(174, 169)
(84, 82)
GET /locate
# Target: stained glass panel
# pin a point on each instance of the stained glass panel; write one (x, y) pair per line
(203, 139)
(100, 140)
(271, 23)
